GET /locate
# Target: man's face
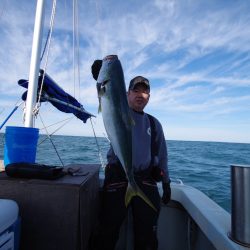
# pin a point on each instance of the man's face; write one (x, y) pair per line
(138, 97)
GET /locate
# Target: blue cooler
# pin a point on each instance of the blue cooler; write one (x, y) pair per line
(9, 225)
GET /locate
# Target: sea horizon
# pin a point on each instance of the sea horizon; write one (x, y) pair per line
(181, 140)
(203, 165)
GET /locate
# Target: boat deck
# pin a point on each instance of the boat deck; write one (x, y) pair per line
(55, 214)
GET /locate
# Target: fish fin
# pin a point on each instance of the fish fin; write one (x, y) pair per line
(131, 121)
(100, 105)
(100, 93)
(131, 192)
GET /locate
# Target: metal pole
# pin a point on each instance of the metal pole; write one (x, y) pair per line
(240, 204)
(35, 63)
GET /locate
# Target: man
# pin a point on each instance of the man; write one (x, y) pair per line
(149, 164)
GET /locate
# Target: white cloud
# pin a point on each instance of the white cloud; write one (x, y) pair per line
(196, 55)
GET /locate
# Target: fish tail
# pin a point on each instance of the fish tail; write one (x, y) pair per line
(131, 192)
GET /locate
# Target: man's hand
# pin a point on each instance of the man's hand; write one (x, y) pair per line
(95, 68)
(166, 192)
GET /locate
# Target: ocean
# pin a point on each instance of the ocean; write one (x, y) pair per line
(204, 165)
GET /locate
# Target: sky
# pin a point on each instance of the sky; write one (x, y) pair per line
(196, 54)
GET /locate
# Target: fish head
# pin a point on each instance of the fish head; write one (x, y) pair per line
(101, 90)
(111, 84)
(104, 77)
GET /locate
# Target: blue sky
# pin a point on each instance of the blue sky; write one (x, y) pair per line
(196, 55)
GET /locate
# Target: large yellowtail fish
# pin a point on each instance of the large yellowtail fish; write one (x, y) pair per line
(117, 120)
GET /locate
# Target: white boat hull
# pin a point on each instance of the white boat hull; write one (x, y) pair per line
(193, 221)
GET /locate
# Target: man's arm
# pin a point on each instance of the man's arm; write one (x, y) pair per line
(163, 164)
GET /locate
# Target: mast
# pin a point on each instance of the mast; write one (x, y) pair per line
(35, 63)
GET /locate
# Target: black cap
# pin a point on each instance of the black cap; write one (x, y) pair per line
(95, 68)
(137, 80)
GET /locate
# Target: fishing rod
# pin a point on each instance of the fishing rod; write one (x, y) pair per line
(11, 113)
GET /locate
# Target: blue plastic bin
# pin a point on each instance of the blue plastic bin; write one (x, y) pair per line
(20, 144)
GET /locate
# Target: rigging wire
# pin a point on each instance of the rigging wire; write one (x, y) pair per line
(2, 110)
(76, 69)
(97, 9)
(106, 137)
(3, 9)
(45, 46)
(76, 46)
(48, 43)
(73, 38)
(101, 27)
(76, 65)
(67, 121)
(51, 125)
(97, 144)
(78, 52)
(98, 19)
(48, 135)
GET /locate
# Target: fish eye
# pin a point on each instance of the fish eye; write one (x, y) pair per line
(103, 89)
(105, 82)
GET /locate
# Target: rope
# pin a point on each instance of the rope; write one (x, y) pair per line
(51, 140)
(48, 43)
(45, 46)
(98, 147)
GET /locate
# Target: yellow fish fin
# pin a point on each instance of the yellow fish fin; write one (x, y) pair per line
(131, 192)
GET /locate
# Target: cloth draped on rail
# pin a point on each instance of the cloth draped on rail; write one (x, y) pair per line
(57, 96)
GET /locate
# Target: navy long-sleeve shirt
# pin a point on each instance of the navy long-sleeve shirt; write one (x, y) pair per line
(141, 145)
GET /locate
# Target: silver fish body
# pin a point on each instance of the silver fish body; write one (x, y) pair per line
(117, 120)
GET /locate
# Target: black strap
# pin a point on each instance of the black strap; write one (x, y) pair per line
(156, 172)
(33, 171)
(154, 151)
